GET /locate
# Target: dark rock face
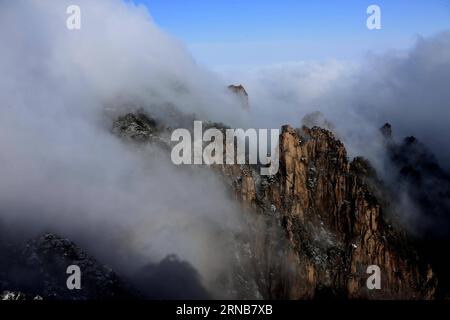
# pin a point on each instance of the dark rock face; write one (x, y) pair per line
(427, 184)
(418, 175)
(331, 215)
(386, 131)
(17, 296)
(316, 226)
(39, 267)
(137, 127)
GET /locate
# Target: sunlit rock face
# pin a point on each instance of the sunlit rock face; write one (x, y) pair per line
(331, 210)
(319, 223)
(315, 228)
(242, 94)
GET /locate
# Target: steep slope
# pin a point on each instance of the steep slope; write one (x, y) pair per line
(333, 221)
(425, 186)
(242, 94)
(38, 269)
(318, 224)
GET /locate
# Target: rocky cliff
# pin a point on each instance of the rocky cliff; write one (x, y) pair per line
(331, 213)
(417, 177)
(37, 269)
(242, 94)
(315, 228)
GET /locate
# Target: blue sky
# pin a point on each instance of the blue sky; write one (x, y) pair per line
(258, 32)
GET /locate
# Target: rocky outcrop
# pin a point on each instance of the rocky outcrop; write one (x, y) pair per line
(333, 220)
(137, 127)
(315, 228)
(319, 223)
(17, 296)
(424, 185)
(330, 212)
(38, 269)
(242, 94)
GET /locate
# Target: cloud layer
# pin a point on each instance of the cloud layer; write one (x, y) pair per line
(409, 89)
(61, 168)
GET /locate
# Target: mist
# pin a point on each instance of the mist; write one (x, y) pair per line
(61, 168)
(63, 171)
(407, 88)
